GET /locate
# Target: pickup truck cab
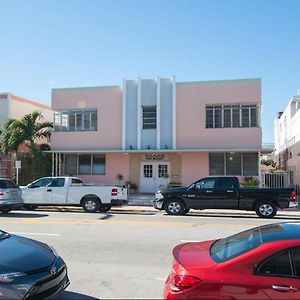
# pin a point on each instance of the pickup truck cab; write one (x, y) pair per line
(224, 193)
(71, 191)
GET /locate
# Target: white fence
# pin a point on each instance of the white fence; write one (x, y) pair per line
(277, 180)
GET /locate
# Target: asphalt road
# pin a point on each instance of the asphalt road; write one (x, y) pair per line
(122, 255)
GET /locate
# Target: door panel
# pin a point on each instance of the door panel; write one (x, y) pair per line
(226, 193)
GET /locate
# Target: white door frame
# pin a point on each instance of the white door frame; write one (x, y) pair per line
(152, 184)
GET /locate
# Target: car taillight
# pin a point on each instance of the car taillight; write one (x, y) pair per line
(114, 192)
(184, 282)
(293, 195)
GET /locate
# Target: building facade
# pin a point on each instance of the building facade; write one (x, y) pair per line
(287, 138)
(12, 106)
(157, 132)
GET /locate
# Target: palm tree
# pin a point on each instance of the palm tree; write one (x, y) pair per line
(28, 130)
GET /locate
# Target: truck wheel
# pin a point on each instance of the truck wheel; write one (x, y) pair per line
(5, 210)
(265, 209)
(104, 208)
(91, 205)
(175, 207)
(30, 207)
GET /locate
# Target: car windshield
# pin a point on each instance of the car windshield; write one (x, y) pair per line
(235, 245)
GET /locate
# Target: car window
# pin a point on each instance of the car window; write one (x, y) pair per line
(225, 183)
(57, 182)
(207, 183)
(6, 183)
(296, 259)
(277, 265)
(235, 245)
(40, 183)
(76, 181)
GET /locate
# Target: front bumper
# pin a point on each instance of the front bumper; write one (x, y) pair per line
(118, 202)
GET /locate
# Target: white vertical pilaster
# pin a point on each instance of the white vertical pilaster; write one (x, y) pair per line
(139, 113)
(174, 110)
(158, 113)
(124, 115)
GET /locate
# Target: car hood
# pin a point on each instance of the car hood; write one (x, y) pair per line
(19, 254)
(194, 255)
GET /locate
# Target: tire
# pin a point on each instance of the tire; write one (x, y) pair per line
(5, 210)
(105, 208)
(30, 206)
(91, 205)
(175, 207)
(265, 209)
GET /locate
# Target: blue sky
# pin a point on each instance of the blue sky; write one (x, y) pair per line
(67, 43)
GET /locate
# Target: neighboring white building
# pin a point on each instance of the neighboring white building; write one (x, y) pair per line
(12, 106)
(287, 138)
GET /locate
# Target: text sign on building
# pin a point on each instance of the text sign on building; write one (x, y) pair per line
(154, 156)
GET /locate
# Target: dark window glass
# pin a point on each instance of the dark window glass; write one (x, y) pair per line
(250, 164)
(72, 122)
(148, 171)
(70, 164)
(208, 183)
(225, 183)
(277, 265)
(236, 116)
(216, 163)
(296, 258)
(4, 183)
(99, 164)
(218, 116)
(57, 182)
(149, 117)
(40, 183)
(85, 164)
(79, 121)
(76, 181)
(227, 117)
(209, 118)
(87, 121)
(253, 117)
(163, 171)
(233, 164)
(245, 116)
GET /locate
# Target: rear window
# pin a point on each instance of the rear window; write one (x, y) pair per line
(6, 183)
(235, 245)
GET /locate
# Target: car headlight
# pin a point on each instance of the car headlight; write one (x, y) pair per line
(9, 277)
(54, 251)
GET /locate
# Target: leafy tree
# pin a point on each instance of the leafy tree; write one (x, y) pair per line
(28, 130)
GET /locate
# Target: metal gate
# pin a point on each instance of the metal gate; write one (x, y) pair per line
(277, 180)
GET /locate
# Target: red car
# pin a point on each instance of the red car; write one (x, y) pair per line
(260, 263)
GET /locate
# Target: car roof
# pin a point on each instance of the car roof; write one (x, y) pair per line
(280, 231)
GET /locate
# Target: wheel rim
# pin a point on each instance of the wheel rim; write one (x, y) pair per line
(90, 205)
(266, 209)
(174, 207)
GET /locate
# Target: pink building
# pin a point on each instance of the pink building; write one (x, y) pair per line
(156, 132)
(12, 106)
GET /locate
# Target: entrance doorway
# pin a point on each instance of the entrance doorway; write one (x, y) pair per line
(154, 176)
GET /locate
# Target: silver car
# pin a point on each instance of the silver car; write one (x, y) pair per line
(10, 196)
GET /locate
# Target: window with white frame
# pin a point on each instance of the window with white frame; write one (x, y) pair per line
(85, 164)
(149, 117)
(233, 163)
(226, 116)
(75, 120)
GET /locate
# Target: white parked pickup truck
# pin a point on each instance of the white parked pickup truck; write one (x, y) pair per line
(71, 191)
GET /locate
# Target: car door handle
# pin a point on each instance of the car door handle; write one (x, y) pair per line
(49, 190)
(283, 288)
(209, 191)
(229, 191)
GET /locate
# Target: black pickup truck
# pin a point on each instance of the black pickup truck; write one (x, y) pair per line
(224, 193)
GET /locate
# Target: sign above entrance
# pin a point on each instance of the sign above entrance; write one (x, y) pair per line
(155, 156)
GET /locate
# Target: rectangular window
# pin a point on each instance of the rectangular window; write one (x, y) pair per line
(250, 164)
(85, 166)
(232, 116)
(216, 163)
(148, 171)
(98, 164)
(149, 117)
(76, 120)
(70, 164)
(233, 164)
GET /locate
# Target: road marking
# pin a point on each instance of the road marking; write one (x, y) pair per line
(36, 233)
(160, 278)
